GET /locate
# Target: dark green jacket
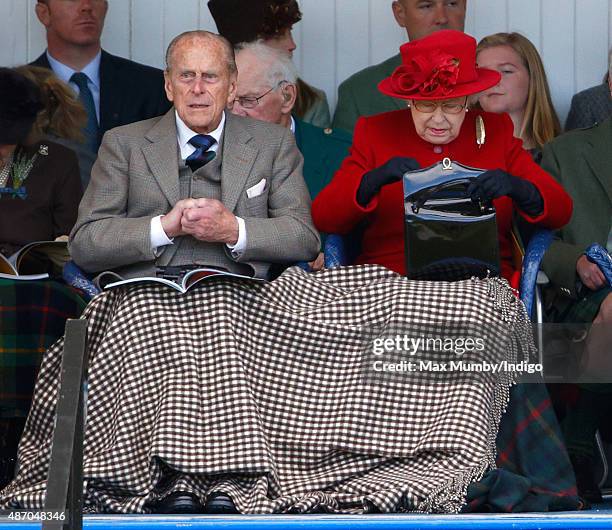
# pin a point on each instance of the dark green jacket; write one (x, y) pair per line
(323, 151)
(581, 161)
(359, 96)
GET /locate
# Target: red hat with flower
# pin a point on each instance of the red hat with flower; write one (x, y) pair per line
(439, 66)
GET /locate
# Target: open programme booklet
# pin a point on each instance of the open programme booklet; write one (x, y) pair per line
(109, 280)
(35, 261)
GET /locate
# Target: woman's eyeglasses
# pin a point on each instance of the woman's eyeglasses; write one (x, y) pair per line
(448, 107)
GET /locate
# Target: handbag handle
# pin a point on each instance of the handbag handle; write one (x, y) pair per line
(420, 202)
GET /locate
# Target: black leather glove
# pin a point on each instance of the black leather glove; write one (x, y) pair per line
(496, 183)
(391, 171)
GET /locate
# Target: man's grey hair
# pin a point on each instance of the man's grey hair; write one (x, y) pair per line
(203, 35)
(278, 65)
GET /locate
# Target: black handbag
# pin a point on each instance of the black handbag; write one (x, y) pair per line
(447, 236)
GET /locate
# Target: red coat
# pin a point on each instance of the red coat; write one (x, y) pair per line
(381, 137)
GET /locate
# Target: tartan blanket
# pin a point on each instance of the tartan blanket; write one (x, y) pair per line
(265, 392)
(534, 473)
(32, 317)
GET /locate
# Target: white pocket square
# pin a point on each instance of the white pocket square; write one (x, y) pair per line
(255, 191)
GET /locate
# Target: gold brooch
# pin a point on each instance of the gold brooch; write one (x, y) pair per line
(481, 135)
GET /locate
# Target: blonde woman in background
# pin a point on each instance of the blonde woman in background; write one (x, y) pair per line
(523, 91)
(63, 116)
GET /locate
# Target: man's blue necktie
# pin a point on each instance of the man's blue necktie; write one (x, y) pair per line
(202, 155)
(86, 98)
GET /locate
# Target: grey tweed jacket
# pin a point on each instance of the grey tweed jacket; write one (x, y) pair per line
(135, 178)
(589, 107)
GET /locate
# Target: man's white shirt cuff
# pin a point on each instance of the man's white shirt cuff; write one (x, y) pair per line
(158, 235)
(237, 249)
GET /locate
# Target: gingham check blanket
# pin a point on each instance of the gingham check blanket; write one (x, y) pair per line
(264, 391)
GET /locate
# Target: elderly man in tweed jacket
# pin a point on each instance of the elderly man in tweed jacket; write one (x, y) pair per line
(197, 186)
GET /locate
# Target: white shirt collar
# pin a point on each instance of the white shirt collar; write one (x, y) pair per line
(184, 134)
(292, 126)
(91, 70)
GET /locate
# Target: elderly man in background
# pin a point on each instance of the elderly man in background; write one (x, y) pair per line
(358, 95)
(113, 90)
(267, 91)
(197, 186)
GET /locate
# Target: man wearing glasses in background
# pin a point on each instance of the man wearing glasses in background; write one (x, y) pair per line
(267, 91)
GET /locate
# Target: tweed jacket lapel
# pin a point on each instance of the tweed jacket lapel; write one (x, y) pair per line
(161, 156)
(237, 161)
(599, 158)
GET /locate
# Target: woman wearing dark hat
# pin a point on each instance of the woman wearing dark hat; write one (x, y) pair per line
(40, 190)
(271, 20)
(437, 76)
(40, 187)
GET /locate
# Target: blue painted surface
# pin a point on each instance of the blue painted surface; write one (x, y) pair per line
(593, 519)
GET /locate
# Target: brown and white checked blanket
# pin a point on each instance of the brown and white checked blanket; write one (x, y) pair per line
(262, 391)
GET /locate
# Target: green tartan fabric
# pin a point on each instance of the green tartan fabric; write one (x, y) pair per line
(32, 317)
(534, 472)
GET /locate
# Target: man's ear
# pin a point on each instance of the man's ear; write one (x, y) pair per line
(232, 89)
(399, 13)
(42, 12)
(168, 86)
(289, 93)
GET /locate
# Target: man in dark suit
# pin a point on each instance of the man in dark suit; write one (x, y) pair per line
(358, 95)
(114, 90)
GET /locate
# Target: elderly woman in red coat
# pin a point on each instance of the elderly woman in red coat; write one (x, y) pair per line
(437, 76)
